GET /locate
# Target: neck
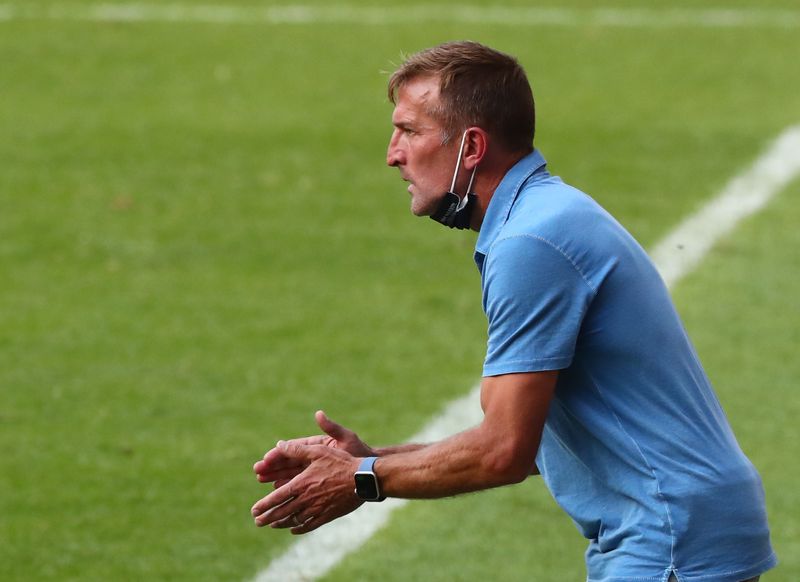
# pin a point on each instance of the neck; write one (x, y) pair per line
(491, 173)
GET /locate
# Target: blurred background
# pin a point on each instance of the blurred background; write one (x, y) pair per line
(201, 245)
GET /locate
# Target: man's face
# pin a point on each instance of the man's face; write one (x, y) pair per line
(416, 146)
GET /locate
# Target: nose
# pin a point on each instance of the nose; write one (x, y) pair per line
(394, 154)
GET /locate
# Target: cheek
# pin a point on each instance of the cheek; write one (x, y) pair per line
(442, 176)
(431, 168)
(432, 165)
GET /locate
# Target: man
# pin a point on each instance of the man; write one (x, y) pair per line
(589, 378)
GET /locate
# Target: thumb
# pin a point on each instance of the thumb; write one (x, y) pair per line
(337, 431)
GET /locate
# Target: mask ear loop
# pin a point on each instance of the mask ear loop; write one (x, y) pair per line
(458, 163)
(462, 202)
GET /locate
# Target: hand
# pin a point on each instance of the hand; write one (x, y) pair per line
(276, 467)
(320, 493)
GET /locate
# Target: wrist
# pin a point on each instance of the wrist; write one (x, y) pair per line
(367, 483)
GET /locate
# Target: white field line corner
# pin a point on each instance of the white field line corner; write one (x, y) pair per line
(387, 15)
(680, 252)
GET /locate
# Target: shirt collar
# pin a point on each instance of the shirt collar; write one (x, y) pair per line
(503, 199)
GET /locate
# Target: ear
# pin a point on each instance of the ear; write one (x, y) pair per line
(475, 147)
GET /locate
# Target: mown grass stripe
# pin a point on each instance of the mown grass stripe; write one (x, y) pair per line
(384, 15)
(680, 252)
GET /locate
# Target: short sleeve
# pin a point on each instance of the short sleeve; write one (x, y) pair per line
(535, 299)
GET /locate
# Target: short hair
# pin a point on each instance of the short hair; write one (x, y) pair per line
(478, 86)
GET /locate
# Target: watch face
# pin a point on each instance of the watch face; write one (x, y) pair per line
(366, 485)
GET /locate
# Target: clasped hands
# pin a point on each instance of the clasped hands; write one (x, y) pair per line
(312, 477)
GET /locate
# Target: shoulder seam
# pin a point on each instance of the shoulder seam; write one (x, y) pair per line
(556, 248)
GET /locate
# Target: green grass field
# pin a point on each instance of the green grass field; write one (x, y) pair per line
(200, 245)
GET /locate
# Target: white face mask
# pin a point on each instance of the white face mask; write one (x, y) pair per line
(455, 211)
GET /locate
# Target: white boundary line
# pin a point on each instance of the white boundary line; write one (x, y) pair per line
(686, 245)
(386, 15)
(677, 255)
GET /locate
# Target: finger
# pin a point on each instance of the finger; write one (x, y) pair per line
(275, 459)
(275, 455)
(277, 514)
(264, 468)
(272, 476)
(267, 469)
(320, 514)
(280, 483)
(309, 525)
(286, 522)
(276, 499)
(283, 474)
(303, 454)
(311, 440)
(292, 521)
(335, 430)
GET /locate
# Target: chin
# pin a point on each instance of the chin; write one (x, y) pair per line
(423, 208)
(418, 210)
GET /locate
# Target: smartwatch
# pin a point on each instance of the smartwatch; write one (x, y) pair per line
(367, 487)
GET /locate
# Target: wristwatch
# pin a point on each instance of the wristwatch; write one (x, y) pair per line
(367, 487)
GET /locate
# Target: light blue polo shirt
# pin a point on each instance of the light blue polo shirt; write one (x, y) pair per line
(636, 447)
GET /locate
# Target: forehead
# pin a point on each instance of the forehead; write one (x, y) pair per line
(415, 99)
